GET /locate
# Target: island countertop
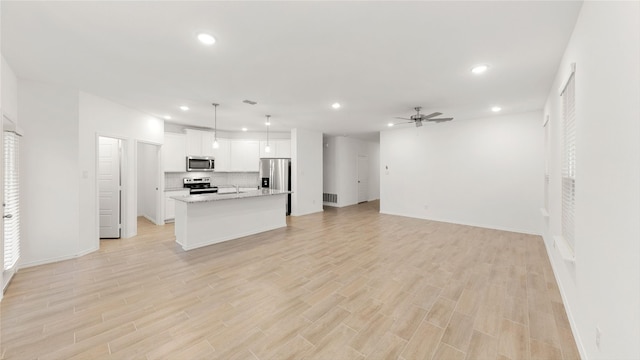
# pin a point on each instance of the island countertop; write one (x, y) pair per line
(228, 196)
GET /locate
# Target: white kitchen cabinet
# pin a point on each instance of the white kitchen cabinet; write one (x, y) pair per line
(222, 155)
(284, 148)
(245, 155)
(174, 152)
(207, 143)
(170, 204)
(200, 143)
(279, 149)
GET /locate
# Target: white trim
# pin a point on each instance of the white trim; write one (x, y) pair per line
(566, 82)
(572, 322)
(561, 244)
(544, 213)
(59, 258)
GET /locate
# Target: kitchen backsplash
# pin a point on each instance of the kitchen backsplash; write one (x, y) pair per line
(173, 180)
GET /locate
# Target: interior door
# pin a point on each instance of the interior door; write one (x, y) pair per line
(109, 187)
(363, 178)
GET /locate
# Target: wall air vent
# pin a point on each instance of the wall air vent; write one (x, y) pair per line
(249, 102)
(330, 198)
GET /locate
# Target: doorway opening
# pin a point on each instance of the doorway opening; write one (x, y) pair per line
(363, 178)
(149, 197)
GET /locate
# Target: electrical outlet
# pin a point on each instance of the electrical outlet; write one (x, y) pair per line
(598, 337)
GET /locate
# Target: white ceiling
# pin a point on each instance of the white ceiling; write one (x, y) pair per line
(378, 59)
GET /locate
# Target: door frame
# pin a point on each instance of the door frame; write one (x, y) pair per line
(358, 201)
(123, 182)
(129, 185)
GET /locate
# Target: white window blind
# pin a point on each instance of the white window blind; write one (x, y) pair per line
(547, 152)
(569, 161)
(11, 200)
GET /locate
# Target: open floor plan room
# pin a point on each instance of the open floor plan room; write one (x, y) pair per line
(346, 283)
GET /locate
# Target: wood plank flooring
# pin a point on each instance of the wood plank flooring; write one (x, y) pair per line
(348, 283)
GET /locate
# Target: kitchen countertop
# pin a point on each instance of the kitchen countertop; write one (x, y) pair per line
(175, 189)
(228, 196)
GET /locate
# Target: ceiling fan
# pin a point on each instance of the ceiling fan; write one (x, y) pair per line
(419, 118)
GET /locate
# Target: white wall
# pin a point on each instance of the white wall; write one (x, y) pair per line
(9, 92)
(481, 172)
(306, 172)
(101, 117)
(374, 170)
(602, 288)
(341, 168)
(49, 172)
(147, 181)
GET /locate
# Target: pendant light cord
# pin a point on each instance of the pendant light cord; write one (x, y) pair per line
(215, 121)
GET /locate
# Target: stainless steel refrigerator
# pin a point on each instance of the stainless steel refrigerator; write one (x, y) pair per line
(276, 174)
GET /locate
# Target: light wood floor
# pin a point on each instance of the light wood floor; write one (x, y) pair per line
(344, 284)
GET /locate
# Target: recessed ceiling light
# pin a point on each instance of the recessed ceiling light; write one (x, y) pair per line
(206, 39)
(167, 117)
(244, 129)
(479, 69)
(184, 108)
(390, 124)
(496, 108)
(336, 105)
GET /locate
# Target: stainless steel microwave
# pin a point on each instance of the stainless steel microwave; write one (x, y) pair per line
(200, 163)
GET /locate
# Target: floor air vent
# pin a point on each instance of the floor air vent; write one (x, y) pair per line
(330, 198)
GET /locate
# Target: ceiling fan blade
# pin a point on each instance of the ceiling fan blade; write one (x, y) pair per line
(432, 115)
(401, 123)
(401, 118)
(441, 120)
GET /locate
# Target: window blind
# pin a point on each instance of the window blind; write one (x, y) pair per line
(11, 200)
(547, 139)
(569, 161)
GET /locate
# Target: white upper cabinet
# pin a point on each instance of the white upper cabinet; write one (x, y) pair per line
(207, 143)
(279, 149)
(194, 142)
(245, 155)
(231, 155)
(200, 143)
(174, 152)
(284, 148)
(222, 155)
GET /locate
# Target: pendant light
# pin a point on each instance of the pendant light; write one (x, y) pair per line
(268, 123)
(215, 126)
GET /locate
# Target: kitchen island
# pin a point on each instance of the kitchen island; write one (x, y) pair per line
(207, 219)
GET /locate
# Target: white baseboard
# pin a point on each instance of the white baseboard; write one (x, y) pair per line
(572, 322)
(59, 258)
(485, 226)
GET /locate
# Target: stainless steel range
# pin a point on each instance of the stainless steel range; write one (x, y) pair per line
(199, 186)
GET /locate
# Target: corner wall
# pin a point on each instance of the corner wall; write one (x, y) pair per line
(101, 117)
(602, 287)
(480, 172)
(306, 172)
(49, 172)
